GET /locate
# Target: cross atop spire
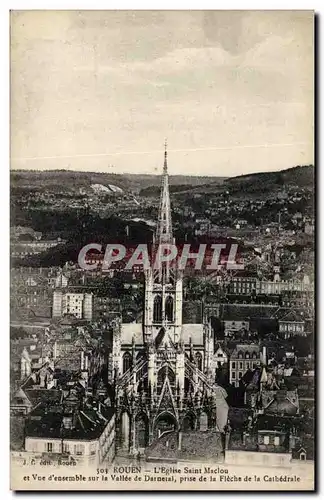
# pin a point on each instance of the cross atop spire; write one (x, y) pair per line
(164, 226)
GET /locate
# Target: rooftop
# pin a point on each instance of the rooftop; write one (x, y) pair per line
(87, 422)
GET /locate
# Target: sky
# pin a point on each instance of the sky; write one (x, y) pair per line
(232, 91)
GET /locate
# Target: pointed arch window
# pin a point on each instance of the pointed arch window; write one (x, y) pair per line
(127, 361)
(203, 421)
(157, 309)
(169, 309)
(198, 358)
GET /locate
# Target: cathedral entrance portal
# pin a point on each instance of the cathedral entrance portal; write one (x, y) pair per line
(166, 422)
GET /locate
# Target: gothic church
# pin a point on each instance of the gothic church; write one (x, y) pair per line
(163, 371)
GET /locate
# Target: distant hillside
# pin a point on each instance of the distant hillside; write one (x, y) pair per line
(300, 176)
(149, 185)
(67, 180)
(181, 188)
(146, 180)
(260, 182)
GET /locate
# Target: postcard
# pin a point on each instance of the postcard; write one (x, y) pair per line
(162, 327)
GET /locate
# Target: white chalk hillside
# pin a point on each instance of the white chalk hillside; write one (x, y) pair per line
(110, 188)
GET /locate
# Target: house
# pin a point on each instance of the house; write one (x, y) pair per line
(61, 281)
(268, 441)
(79, 430)
(105, 307)
(243, 358)
(24, 400)
(234, 325)
(280, 402)
(250, 316)
(263, 447)
(72, 303)
(20, 403)
(220, 356)
(291, 323)
(266, 393)
(243, 282)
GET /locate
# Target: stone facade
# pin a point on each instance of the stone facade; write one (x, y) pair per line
(163, 371)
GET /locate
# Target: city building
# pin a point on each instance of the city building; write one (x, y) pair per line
(243, 358)
(79, 430)
(291, 323)
(75, 304)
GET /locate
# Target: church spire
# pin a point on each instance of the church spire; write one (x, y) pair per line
(165, 166)
(164, 226)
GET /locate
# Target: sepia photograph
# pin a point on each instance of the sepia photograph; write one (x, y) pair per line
(162, 246)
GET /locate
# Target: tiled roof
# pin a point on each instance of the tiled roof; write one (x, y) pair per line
(252, 378)
(245, 348)
(20, 398)
(36, 396)
(274, 423)
(88, 423)
(290, 315)
(280, 402)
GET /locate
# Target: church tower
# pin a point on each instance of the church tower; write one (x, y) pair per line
(164, 225)
(162, 370)
(163, 281)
